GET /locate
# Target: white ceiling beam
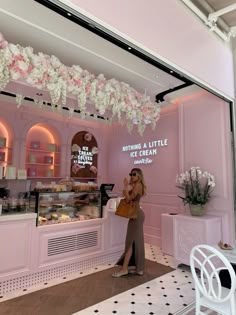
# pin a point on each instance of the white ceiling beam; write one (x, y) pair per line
(214, 16)
(204, 18)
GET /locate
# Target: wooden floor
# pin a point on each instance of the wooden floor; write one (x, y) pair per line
(78, 294)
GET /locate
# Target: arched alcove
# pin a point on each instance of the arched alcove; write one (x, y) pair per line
(6, 144)
(42, 152)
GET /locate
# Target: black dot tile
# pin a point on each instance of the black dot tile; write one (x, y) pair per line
(115, 302)
(96, 311)
(150, 303)
(132, 302)
(167, 304)
(114, 312)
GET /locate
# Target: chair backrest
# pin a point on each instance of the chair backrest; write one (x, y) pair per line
(206, 262)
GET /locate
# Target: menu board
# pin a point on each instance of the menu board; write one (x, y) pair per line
(84, 154)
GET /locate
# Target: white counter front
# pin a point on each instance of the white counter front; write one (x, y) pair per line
(18, 216)
(30, 254)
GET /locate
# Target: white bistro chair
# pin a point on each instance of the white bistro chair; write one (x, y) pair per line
(206, 262)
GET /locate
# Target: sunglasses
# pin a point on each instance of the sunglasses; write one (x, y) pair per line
(132, 174)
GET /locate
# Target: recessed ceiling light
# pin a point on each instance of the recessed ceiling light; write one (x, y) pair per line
(171, 71)
(68, 13)
(129, 48)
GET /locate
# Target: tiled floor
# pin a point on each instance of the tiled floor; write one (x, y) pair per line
(170, 294)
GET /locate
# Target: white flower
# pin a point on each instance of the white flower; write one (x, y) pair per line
(197, 185)
(75, 148)
(47, 72)
(22, 65)
(95, 150)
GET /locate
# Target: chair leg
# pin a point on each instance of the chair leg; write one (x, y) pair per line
(198, 306)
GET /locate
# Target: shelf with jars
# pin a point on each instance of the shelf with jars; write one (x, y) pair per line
(6, 149)
(43, 157)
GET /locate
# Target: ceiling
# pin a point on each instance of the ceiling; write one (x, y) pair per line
(220, 14)
(52, 34)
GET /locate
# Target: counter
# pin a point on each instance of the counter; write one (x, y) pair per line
(31, 255)
(18, 216)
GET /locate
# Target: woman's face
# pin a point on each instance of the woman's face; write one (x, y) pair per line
(134, 176)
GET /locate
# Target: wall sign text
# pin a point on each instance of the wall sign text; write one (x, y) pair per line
(142, 152)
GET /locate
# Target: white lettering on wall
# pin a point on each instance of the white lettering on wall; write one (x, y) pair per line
(83, 157)
(144, 150)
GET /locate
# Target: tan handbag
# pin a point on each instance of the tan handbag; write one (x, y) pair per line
(127, 209)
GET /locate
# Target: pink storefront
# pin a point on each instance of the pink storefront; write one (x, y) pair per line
(195, 129)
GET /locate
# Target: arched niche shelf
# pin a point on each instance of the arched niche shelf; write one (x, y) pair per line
(43, 154)
(84, 156)
(6, 146)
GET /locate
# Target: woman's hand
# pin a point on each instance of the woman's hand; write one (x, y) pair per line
(126, 183)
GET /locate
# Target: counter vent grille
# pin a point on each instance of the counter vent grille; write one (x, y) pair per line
(70, 243)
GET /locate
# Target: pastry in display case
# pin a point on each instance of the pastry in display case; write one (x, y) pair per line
(63, 207)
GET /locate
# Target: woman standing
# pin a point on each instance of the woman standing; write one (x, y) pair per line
(133, 257)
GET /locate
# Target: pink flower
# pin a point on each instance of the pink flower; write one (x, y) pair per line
(88, 137)
(75, 168)
(93, 169)
(88, 88)
(3, 42)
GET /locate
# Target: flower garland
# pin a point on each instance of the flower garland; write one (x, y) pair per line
(48, 73)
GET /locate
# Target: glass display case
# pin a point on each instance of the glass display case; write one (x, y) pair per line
(63, 207)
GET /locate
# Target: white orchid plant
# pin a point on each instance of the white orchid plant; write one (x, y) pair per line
(197, 186)
(48, 73)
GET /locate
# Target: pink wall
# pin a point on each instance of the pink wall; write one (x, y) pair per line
(168, 29)
(160, 175)
(205, 141)
(198, 133)
(64, 128)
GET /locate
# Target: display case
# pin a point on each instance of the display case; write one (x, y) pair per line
(64, 207)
